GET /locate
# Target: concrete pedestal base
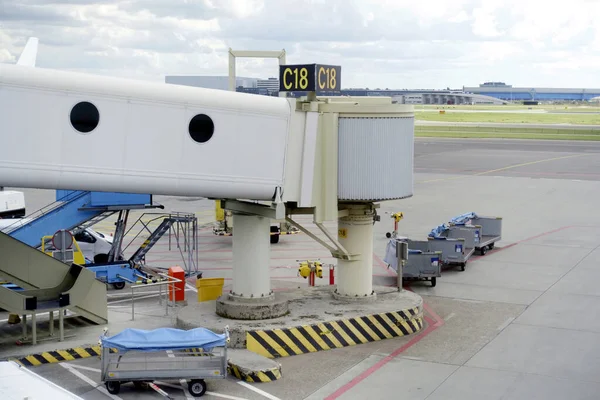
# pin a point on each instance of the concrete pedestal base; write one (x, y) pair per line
(321, 321)
(358, 299)
(235, 307)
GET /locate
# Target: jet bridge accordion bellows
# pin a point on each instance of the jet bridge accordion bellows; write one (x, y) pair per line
(375, 158)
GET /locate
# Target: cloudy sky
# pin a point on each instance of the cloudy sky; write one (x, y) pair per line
(378, 43)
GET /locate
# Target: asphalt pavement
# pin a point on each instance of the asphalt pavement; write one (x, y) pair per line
(518, 323)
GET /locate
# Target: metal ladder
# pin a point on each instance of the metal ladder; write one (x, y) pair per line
(154, 237)
(93, 221)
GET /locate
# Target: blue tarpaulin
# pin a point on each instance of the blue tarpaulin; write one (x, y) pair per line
(437, 231)
(164, 339)
(459, 220)
(462, 219)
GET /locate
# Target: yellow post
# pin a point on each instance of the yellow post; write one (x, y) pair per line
(219, 212)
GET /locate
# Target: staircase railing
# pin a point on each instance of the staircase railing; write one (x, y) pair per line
(48, 209)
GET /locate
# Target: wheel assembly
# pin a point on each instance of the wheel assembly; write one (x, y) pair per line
(197, 387)
(113, 387)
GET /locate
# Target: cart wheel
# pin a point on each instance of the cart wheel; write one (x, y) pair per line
(433, 281)
(118, 285)
(483, 250)
(491, 246)
(388, 235)
(463, 266)
(197, 387)
(139, 385)
(113, 387)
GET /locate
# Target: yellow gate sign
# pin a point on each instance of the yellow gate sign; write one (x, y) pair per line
(343, 233)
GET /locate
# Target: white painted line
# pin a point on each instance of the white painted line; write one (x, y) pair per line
(182, 382)
(224, 396)
(135, 298)
(84, 367)
(161, 383)
(506, 323)
(189, 286)
(450, 316)
(89, 381)
(413, 358)
(257, 390)
(122, 293)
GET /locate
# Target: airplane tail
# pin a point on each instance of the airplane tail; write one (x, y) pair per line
(29, 54)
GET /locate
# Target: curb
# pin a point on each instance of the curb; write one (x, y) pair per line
(334, 334)
(245, 374)
(57, 356)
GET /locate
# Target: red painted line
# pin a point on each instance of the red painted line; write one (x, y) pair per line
(383, 265)
(432, 326)
(508, 246)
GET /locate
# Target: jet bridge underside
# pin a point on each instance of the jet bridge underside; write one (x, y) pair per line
(77, 131)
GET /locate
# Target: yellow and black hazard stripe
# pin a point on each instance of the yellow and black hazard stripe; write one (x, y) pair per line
(56, 356)
(334, 334)
(198, 352)
(265, 375)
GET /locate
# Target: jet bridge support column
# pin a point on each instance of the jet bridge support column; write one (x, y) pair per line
(355, 234)
(251, 297)
(251, 275)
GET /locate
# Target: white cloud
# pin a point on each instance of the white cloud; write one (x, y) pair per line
(379, 43)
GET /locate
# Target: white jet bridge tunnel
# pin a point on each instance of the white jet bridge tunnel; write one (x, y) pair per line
(335, 158)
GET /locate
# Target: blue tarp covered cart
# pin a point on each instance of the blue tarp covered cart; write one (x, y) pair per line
(140, 356)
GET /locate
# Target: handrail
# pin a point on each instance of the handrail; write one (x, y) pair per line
(46, 210)
(170, 281)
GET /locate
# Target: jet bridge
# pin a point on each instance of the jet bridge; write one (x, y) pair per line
(334, 158)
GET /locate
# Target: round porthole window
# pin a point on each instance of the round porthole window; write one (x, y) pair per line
(201, 128)
(85, 117)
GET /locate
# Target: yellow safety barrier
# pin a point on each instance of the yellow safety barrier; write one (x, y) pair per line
(209, 288)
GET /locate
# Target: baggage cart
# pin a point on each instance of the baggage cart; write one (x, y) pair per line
(140, 356)
(491, 232)
(421, 264)
(454, 250)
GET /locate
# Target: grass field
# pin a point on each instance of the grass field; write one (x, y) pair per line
(577, 118)
(505, 133)
(513, 107)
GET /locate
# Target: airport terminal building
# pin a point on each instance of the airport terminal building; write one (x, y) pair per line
(486, 93)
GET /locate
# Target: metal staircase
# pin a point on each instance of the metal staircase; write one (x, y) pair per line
(154, 237)
(182, 228)
(75, 211)
(93, 221)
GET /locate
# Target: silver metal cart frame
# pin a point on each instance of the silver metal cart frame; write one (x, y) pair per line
(139, 367)
(423, 265)
(413, 264)
(454, 250)
(491, 232)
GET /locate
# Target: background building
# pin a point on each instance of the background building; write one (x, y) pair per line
(485, 93)
(506, 92)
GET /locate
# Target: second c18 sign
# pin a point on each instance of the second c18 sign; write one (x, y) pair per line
(310, 78)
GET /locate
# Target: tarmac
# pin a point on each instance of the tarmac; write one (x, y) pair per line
(519, 323)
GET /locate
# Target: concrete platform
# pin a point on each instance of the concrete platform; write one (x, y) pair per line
(316, 322)
(251, 367)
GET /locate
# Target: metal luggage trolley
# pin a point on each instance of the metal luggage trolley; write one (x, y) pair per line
(164, 354)
(456, 242)
(420, 264)
(491, 232)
